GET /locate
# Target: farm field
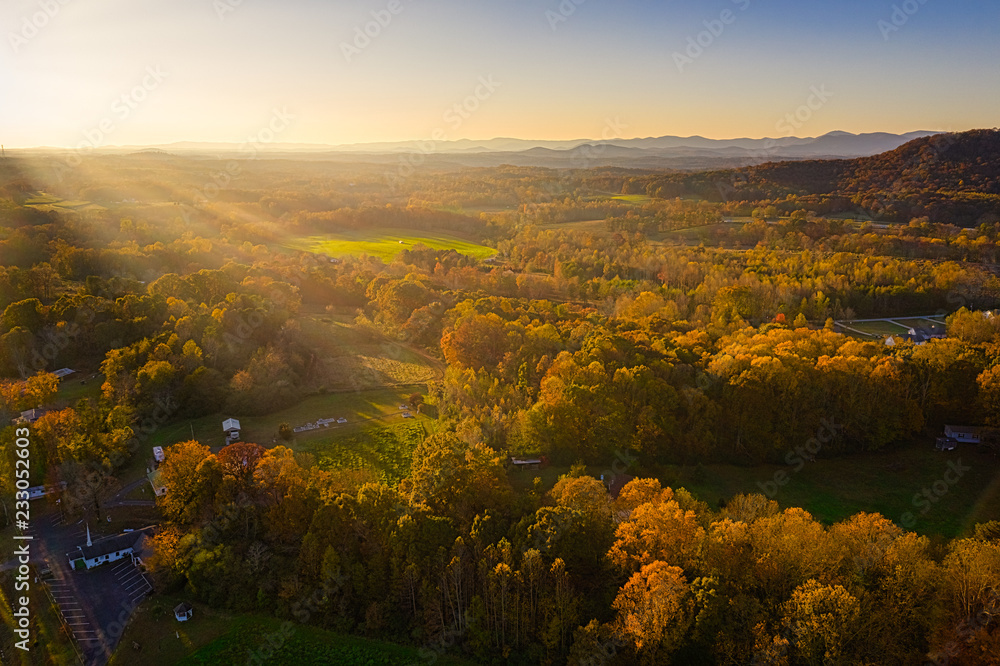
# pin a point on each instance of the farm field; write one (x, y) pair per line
(48, 202)
(885, 483)
(386, 244)
(632, 198)
(217, 637)
(349, 358)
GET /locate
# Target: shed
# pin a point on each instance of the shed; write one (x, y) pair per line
(156, 480)
(63, 372)
(183, 611)
(946, 444)
(232, 429)
(31, 415)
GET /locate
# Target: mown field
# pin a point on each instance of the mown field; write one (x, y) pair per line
(216, 637)
(386, 243)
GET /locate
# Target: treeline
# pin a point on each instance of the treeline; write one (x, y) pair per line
(532, 379)
(454, 560)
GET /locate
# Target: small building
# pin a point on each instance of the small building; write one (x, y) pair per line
(63, 372)
(30, 416)
(158, 454)
(156, 480)
(232, 429)
(526, 463)
(183, 612)
(963, 434)
(103, 551)
(946, 444)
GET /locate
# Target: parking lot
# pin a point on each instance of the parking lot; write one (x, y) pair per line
(96, 604)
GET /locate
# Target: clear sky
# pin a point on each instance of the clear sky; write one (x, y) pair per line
(123, 72)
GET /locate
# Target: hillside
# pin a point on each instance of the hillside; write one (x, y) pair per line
(947, 177)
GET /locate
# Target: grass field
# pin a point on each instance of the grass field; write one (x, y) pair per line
(885, 483)
(216, 637)
(348, 358)
(835, 489)
(362, 409)
(386, 452)
(387, 243)
(49, 202)
(77, 387)
(876, 328)
(632, 198)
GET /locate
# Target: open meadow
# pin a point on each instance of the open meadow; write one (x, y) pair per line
(387, 243)
(218, 637)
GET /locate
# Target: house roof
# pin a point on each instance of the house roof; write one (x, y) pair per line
(182, 608)
(110, 545)
(230, 424)
(63, 372)
(156, 478)
(967, 430)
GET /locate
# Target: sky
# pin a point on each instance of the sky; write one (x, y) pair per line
(146, 72)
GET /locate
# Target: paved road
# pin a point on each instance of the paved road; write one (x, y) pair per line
(119, 498)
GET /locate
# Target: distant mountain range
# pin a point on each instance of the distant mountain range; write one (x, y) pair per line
(694, 152)
(953, 178)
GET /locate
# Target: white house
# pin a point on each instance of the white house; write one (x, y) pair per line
(232, 429)
(966, 434)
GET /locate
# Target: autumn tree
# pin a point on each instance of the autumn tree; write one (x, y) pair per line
(190, 473)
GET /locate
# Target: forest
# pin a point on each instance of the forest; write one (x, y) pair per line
(628, 320)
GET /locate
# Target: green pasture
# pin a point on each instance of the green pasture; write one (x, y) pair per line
(887, 483)
(386, 243)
